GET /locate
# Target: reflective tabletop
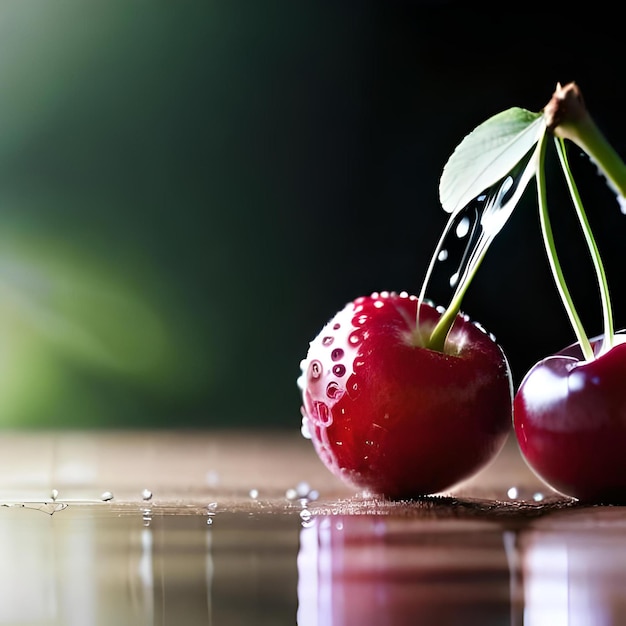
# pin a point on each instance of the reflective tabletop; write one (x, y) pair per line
(178, 528)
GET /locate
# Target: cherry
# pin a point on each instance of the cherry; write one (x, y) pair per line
(570, 409)
(570, 422)
(405, 400)
(393, 417)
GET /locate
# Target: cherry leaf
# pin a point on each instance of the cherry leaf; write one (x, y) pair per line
(487, 154)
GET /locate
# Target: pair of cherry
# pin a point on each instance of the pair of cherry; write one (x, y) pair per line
(405, 399)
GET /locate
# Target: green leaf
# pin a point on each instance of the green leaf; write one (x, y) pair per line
(488, 154)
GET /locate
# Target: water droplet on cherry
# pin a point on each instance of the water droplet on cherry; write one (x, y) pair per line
(339, 370)
(337, 354)
(352, 387)
(315, 370)
(355, 338)
(304, 429)
(324, 414)
(359, 320)
(333, 391)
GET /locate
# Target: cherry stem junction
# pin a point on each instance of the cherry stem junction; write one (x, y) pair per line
(565, 117)
(568, 118)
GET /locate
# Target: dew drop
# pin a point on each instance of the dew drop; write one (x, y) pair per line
(360, 320)
(54, 494)
(339, 370)
(304, 429)
(471, 229)
(538, 496)
(315, 370)
(302, 489)
(355, 338)
(337, 354)
(336, 326)
(305, 515)
(379, 304)
(463, 227)
(333, 390)
(324, 415)
(352, 387)
(107, 496)
(512, 493)
(146, 494)
(253, 493)
(326, 341)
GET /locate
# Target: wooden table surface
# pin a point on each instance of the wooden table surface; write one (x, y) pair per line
(179, 466)
(204, 527)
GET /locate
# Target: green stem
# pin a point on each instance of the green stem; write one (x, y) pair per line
(607, 312)
(439, 334)
(566, 115)
(555, 266)
(586, 135)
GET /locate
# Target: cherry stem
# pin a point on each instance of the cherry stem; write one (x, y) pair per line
(568, 118)
(553, 259)
(437, 339)
(607, 342)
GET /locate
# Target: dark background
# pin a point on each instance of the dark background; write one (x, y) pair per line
(189, 191)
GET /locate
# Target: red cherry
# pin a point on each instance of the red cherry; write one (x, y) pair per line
(570, 422)
(398, 419)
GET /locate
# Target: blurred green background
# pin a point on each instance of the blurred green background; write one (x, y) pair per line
(189, 190)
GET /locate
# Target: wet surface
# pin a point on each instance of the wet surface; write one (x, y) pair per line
(278, 542)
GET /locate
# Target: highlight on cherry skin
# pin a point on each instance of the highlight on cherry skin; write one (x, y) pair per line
(397, 419)
(570, 422)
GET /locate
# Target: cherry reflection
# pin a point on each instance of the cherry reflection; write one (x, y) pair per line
(383, 571)
(573, 569)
